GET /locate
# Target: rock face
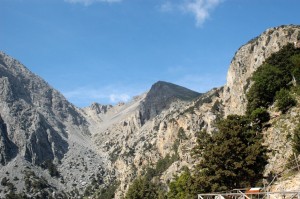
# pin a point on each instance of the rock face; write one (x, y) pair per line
(37, 123)
(98, 145)
(8, 149)
(133, 144)
(248, 58)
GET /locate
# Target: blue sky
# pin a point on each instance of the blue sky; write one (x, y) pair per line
(110, 50)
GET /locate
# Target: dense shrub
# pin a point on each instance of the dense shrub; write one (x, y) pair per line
(279, 71)
(142, 188)
(4, 181)
(51, 167)
(260, 115)
(12, 195)
(295, 59)
(108, 192)
(233, 157)
(181, 134)
(162, 165)
(183, 187)
(296, 140)
(268, 79)
(284, 100)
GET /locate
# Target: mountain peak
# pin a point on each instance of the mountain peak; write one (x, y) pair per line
(167, 90)
(160, 97)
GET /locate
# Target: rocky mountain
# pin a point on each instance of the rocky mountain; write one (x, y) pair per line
(247, 59)
(8, 148)
(160, 96)
(50, 147)
(38, 125)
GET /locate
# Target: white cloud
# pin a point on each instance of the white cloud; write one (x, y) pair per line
(167, 6)
(201, 9)
(84, 96)
(89, 2)
(114, 98)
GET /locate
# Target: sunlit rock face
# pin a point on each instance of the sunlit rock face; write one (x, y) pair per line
(248, 58)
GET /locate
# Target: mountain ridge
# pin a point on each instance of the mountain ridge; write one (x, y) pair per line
(101, 145)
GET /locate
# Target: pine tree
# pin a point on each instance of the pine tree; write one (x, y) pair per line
(235, 158)
(142, 188)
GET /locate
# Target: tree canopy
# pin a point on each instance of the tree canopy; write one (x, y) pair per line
(234, 158)
(276, 73)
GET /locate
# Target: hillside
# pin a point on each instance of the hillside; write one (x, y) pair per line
(50, 148)
(40, 129)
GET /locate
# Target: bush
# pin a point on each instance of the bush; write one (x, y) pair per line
(164, 163)
(279, 71)
(161, 166)
(233, 157)
(4, 181)
(296, 140)
(48, 164)
(12, 195)
(141, 188)
(268, 79)
(109, 192)
(284, 100)
(260, 115)
(182, 187)
(181, 134)
(296, 71)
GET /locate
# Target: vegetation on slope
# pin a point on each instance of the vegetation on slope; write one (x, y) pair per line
(234, 156)
(280, 71)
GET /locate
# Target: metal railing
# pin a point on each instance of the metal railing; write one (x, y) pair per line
(257, 195)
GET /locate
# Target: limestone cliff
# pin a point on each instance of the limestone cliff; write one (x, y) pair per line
(248, 58)
(38, 125)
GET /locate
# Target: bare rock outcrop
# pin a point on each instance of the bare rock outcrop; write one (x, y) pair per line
(37, 126)
(8, 149)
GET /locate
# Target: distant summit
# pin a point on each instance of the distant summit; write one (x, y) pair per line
(161, 95)
(165, 90)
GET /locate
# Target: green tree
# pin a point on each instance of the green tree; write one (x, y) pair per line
(203, 139)
(296, 140)
(234, 158)
(268, 79)
(181, 134)
(278, 71)
(141, 188)
(284, 100)
(48, 164)
(295, 59)
(183, 187)
(260, 115)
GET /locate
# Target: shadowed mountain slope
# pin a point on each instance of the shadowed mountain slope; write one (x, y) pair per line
(161, 95)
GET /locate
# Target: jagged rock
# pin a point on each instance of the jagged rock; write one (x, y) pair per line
(8, 150)
(37, 125)
(98, 108)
